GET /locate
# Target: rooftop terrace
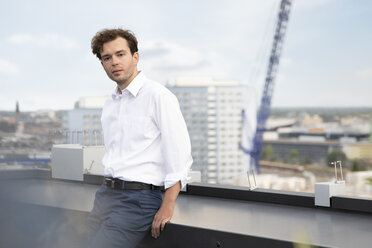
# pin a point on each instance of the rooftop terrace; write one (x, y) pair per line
(37, 211)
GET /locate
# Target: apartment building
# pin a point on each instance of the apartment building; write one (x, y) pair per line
(213, 114)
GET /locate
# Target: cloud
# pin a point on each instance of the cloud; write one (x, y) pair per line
(170, 56)
(8, 68)
(285, 61)
(310, 4)
(365, 72)
(50, 39)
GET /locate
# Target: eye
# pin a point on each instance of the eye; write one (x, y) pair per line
(120, 54)
(105, 59)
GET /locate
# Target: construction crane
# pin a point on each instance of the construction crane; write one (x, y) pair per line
(264, 110)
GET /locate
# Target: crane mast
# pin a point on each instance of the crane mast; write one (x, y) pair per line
(264, 110)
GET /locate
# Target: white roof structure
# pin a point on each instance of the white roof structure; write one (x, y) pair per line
(202, 82)
(91, 102)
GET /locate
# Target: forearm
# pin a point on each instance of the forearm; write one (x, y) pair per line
(171, 194)
(165, 212)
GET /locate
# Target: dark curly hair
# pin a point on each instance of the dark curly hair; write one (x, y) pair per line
(107, 35)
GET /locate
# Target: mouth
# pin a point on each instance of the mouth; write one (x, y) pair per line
(116, 71)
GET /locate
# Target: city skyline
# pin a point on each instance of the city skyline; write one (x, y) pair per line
(46, 62)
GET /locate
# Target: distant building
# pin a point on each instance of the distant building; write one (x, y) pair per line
(212, 111)
(91, 102)
(311, 120)
(308, 151)
(43, 115)
(83, 123)
(327, 131)
(17, 107)
(370, 134)
(20, 126)
(358, 150)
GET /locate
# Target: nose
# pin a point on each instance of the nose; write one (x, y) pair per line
(115, 60)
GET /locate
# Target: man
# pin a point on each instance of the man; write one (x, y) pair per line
(147, 147)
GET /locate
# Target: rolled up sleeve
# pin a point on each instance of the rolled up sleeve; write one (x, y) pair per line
(175, 139)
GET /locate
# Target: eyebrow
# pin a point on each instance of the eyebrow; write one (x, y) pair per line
(120, 51)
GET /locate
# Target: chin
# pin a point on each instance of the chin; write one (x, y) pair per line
(120, 81)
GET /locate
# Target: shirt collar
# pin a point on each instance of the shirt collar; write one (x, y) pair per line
(134, 86)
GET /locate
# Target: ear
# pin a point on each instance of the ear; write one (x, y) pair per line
(136, 57)
(102, 65)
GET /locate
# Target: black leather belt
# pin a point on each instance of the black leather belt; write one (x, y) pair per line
(115, 183)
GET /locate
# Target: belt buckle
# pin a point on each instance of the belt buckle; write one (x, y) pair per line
(111, 181)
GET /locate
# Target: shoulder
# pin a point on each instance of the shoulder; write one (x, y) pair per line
(156, 90)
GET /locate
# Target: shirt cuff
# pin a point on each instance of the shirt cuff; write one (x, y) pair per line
(172, 178)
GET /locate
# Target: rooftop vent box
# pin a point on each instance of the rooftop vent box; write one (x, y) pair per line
(71, 161)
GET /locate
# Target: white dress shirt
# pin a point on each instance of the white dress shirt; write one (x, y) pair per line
(146, 137)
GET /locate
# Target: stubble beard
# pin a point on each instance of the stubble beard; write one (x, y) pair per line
(125, 80)
(120, 81)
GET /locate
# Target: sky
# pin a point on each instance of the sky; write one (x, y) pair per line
(46, 60)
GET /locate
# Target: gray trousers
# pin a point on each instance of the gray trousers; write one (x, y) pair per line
(121, 218)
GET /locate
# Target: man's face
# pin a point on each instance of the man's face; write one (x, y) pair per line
(118, 62)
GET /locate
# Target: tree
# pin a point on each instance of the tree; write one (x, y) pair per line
(335, 155)
(358, 165)
(306, 160)
(267, 153)
(294, 155)
(369, 180)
